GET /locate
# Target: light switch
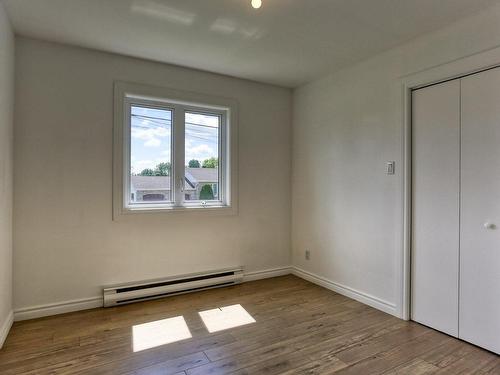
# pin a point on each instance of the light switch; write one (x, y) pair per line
(390, 167)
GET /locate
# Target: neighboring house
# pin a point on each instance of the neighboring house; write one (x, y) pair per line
(198, 177)
(157, 188)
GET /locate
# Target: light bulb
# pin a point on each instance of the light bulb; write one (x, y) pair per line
(256, 3)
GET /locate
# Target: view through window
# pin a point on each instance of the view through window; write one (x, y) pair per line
(176, 154)
(202, 157)
(150, 154)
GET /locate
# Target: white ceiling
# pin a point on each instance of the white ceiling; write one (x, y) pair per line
(286, 42)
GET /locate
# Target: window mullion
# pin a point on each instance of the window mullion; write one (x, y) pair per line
(178, 155)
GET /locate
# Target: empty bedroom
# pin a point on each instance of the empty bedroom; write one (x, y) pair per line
(274, 187)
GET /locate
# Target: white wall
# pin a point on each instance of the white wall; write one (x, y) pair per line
(346, 210)
(6, 174)
(66, 244)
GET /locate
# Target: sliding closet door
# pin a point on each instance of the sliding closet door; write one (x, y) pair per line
(435, 191)
(480, 211)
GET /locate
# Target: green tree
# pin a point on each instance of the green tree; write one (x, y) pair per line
(163, 169)
(206, 193)
(194, 163)
(211, 163)
(147, 172)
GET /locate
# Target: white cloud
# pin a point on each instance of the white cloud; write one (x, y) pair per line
(199, 119)
(150, 136)
(200, 152)
(139, 165)
(153, 142)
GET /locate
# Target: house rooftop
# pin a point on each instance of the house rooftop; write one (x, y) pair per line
(204, 174)
(194, 176)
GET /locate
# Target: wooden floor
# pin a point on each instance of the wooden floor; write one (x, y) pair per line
(300, 328)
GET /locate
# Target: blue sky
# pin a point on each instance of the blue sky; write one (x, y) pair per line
(151, 131)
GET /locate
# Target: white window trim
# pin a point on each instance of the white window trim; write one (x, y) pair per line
(127, 93)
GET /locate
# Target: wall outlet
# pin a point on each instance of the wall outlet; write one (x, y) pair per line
(308, 254)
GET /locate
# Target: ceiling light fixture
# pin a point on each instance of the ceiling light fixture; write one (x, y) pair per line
(256, 3)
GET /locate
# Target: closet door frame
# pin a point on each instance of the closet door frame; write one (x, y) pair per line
(454, 70)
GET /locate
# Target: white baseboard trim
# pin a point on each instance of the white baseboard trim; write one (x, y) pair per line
(57, 308)
(40, 311)
(362, 297)
(266, 274)
(5, 328)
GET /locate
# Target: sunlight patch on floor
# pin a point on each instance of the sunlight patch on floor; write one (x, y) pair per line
(159, 332)
(226, 317)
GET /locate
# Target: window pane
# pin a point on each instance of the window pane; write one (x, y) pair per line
(202, 157)
(150, 155)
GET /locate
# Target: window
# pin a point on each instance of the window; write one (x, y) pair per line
(173, 150)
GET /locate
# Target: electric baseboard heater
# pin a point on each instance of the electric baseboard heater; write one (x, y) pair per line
(152, 289)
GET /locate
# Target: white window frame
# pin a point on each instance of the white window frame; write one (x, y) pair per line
(179, 102)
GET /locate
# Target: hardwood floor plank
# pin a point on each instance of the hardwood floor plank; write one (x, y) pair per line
(492, 368)
(174, 366)
(246, 343)
(415, 367)
(317, 368)
(384, 361)
(472, 363)
(382, 343)
(261, 354)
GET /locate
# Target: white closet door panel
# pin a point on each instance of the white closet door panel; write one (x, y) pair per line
(436, 178)
(480, 205)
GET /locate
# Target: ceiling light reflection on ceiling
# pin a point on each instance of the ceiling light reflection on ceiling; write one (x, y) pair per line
(160, 332)
(224, 26)
(160, 11)
(230, 27)
(225, 317)
(256, 3)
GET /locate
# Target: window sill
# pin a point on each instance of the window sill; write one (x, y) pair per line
(211, 210)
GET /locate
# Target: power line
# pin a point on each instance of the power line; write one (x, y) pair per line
(162, 120)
